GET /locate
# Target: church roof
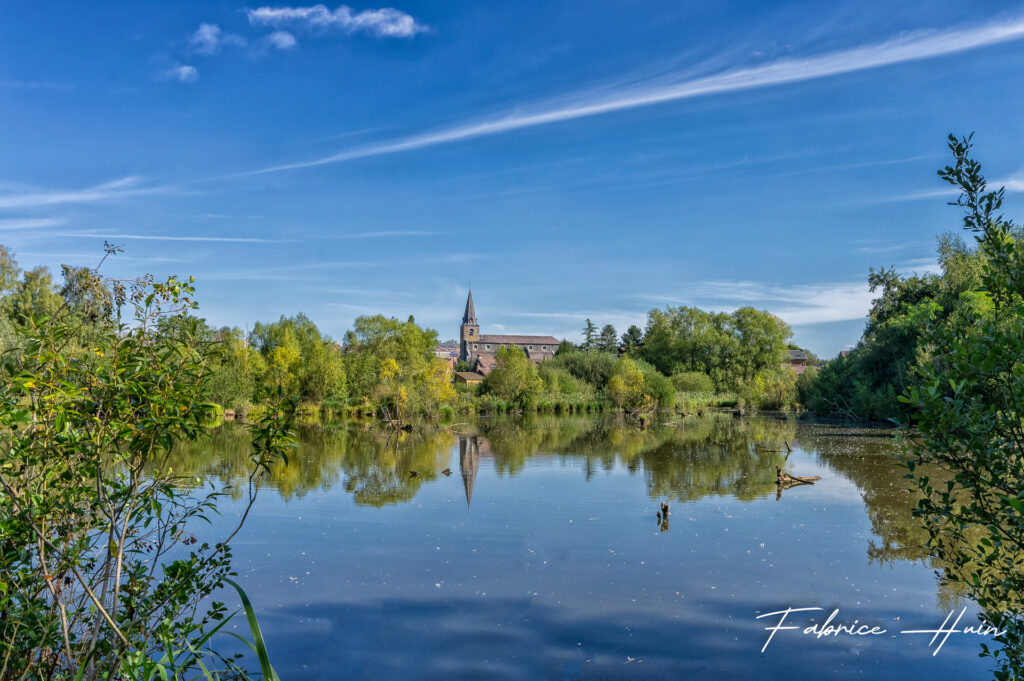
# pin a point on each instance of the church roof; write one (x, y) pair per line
(469, 316)
(535, 340)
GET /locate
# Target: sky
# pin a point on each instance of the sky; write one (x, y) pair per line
(568, 160)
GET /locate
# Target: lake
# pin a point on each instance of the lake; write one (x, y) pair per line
(541, 557)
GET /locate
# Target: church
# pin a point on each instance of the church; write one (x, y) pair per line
(478, 349)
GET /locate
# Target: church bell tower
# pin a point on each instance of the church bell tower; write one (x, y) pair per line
(469, 332)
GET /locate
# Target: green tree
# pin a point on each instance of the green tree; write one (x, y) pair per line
(237, 370)
(10, 273)
(633, 337)
(35, 295)
(374, 341)
(761, 342)
(626, 387)
(565, 346)
(864, 384)
(589, 334)
(514, 377)
(322, 375)
(101, 575)
(608, 341)
(967, 409)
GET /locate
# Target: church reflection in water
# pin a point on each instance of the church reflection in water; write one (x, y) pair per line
(680, 462)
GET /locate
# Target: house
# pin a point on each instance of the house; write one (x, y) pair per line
(468, 377)
(448, 351)
(798, 361)
(474, 346)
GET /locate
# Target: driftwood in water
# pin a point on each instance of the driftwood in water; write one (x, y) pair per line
(790, 480)
(784, 481)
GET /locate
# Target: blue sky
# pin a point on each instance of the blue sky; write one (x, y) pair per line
(569, 159)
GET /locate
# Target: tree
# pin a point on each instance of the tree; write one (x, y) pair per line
(373, 340)
(565, 346)
(761, 342)
(608, 341)
(589, 334)
(322, 375)
(626, 387)
(633, 337)
(514, 377)
(35, 295)
(865, 383)
(10, 273)
(100, 574)
(237, 371)
(968, 409)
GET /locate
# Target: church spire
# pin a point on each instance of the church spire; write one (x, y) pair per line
(469, 317)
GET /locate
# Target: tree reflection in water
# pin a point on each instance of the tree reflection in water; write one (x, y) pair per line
(680, 461)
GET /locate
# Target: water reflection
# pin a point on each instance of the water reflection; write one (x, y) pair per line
(680, 461)
(553, 552)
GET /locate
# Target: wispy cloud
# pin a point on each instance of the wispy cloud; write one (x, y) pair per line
(167, 237)
(37, 85)
(384, 23)
(906, 48)
(30, 223)
(381, 235)
(209, 39)
(920, 266)
(1013, 184)
(121, 188)
(796, 305)
(183, 73)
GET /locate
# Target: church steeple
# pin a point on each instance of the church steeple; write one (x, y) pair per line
(469, 332)
(469, 317)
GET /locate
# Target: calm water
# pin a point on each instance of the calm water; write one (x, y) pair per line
(540, 556)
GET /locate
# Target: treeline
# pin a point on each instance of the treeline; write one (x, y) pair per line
(865, 383)
(685, 355)
(386, 367)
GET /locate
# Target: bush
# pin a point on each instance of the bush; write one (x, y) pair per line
(692, 382)
(773, 389)
(594, 368)
(122, 583)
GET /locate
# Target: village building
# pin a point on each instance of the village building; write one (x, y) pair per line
(798, 361)
(479, 349)
(468, 377)
(448, 351)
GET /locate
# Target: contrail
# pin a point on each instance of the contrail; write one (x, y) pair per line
(910, 47)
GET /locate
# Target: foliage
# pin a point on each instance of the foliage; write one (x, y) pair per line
(594, 368)
(100, 575)
(692, 382)
(608, 340)
(374, 344)
(514, 377)
(237, 371)
(626, 387)
(967, 407)
(633, 337)
(637, 386)
(558, 381)
(730, 348)
(589, 335)
(565, 346)
(770, 389)
(865, 383)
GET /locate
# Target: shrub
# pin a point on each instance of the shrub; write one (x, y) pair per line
(692, 382)
(94, 532)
